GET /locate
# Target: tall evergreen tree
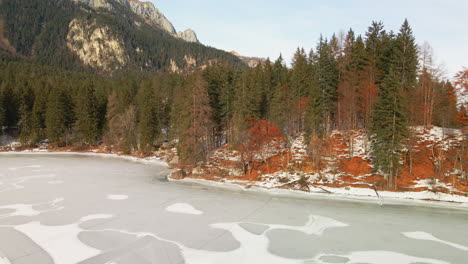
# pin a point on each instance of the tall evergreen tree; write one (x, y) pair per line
(324, 99)
(25, 110)
(148, 106)
(2, 108)
(389, 128)
(405, 57)
(58, 116)
(300, 75)
(86, 113)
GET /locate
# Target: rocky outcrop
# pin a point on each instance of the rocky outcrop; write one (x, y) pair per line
(96, 3)
(96, 46)
(148, 12)
(252, 62)
(188, 35)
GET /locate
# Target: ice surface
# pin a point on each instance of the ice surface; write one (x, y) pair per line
(55, 182)
(383, 257)
(183, 208)
(117, 197)
(430, 237)
(17, 183)
(61, 242)
(236, 225)
(28, 209)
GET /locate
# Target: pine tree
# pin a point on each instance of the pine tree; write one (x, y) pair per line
(323, 98)
(58, 117)
(25, 122)
(405, 57)
(300, 75)
(389, 128)
(404, 60)
(86, 113)
(148, 117)
(375, 50)
(2, 109)
(38, 116)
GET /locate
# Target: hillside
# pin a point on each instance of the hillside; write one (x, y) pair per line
(102, 36)
(434, 169)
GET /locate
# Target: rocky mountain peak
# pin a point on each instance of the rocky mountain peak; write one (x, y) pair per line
(148, 12)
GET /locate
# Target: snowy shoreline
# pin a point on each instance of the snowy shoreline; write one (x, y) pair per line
(424, 198)
(149, 161)
(389, 198)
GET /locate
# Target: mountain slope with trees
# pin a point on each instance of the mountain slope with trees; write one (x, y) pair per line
(74, 36)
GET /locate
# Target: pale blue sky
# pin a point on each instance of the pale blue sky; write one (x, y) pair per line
(267, 28)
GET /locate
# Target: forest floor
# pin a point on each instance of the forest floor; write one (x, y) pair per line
(432, 171)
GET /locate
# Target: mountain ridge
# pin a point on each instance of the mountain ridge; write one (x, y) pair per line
(148, 12)
(102, 36)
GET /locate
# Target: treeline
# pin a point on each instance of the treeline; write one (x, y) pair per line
(380, 82)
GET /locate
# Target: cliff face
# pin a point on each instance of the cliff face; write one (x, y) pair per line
(96, 46)
(148, 12)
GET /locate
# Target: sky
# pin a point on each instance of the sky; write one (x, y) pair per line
(264, 28)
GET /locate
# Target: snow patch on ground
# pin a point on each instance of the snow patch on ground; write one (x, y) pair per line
(28, 209)
(430, 237)
(117, 197)
(298, 150)
(183, 208)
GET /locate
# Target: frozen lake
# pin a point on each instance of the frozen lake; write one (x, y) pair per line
(90, 210)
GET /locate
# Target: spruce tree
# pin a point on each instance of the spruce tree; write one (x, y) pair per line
(58, 116)
(25, 110)
(38, 116)
(86, 114)
(323, 97)
(405, 57)
(2, 108)
(300, 75)
(148, 125)
(375, 50)
(389, 128)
